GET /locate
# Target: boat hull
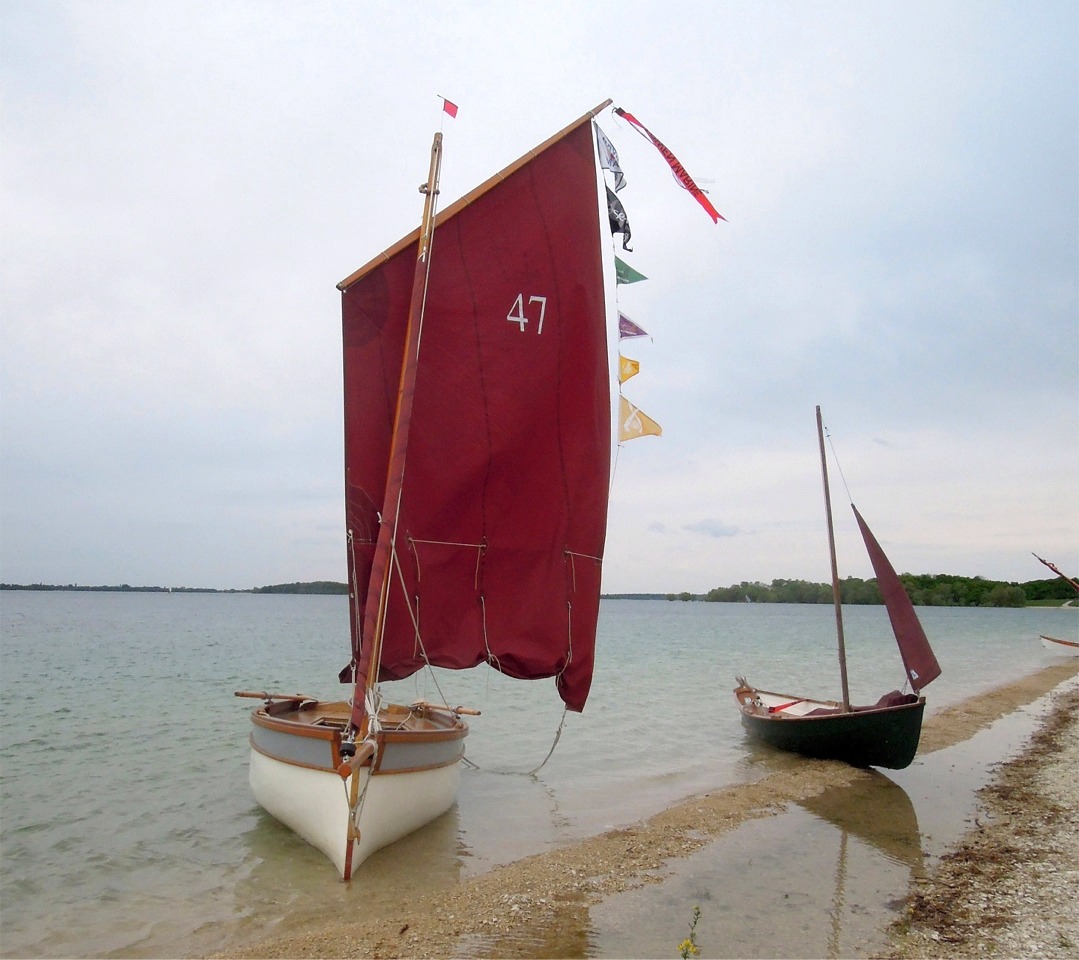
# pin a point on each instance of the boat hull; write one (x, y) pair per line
(298, 775)
(1063, 648)
(878, 736)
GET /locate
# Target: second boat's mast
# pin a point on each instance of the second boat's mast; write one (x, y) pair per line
(835, 568)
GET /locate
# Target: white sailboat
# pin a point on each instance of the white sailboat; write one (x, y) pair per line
(476, 483)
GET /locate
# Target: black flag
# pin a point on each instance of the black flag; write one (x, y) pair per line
(619, 221)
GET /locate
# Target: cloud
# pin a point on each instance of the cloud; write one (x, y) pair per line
(713, 528)
(182, 186)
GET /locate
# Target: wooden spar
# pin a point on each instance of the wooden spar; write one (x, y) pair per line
(446, 708)
(835, 569)
(1057, 571)
(263, 695)
(382, 564)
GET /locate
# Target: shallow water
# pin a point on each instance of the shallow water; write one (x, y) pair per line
(825, 877)
(128, 828)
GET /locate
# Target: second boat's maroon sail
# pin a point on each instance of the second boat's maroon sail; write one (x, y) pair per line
(918, 658)
(499, 497)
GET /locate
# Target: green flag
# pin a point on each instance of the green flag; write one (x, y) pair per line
(624, 273)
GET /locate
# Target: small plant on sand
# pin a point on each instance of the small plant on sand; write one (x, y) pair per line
(688, 947)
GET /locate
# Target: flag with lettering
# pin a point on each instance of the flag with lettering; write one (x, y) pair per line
(608, 158)
(616, 213)
(627, 328)
(680, 172)
(624, 273)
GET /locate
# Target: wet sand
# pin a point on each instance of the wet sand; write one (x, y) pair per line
(538, 906)
(1011, 886)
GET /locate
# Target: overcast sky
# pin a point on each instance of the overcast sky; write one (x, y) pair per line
(184, 183)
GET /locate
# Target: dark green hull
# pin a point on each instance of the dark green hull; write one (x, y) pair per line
(875, 737)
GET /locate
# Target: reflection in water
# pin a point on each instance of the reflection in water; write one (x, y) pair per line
(814, 881)
(291, 887)
(877, 811)
(837, 904)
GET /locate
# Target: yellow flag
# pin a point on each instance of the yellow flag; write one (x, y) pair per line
(632, 423)
(627, 368)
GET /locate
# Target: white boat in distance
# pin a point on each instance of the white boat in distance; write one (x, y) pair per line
(1063, 648)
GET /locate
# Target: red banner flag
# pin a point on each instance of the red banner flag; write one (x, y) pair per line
(449, 107)
(680, 172)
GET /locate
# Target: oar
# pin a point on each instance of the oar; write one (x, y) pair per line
(427, 705)
(262, 695)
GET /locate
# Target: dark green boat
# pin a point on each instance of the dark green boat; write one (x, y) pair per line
(885, 734)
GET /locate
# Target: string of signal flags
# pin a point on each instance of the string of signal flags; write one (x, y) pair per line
(632, 421)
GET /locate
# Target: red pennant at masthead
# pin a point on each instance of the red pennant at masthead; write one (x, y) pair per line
(450, 107)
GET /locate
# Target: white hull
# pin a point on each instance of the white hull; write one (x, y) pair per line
(1063, 648)
(315, 804)
(299, 776)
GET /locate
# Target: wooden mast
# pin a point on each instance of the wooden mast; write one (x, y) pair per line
(835, 568)
(383, 561)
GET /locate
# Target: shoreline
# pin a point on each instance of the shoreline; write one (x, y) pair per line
(1010, 888)
(519, 903)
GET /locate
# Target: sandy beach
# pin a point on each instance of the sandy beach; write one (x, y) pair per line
(1009, 889)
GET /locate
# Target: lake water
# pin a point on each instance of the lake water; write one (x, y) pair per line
(127, 828)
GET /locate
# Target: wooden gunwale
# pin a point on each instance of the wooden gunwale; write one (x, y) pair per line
(744, 704)
(442, 730)
(840, 714)
(458, 205)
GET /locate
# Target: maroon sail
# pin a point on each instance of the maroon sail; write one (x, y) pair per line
(502, 497)
(918, 657)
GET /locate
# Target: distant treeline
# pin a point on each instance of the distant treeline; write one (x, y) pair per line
(927, 590)
(636, 596)
(122, 588)
(317, 586)
(938, 590)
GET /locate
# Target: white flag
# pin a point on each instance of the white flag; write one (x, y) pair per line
(608, 157)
